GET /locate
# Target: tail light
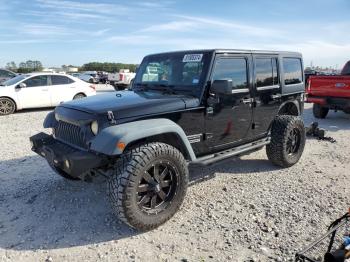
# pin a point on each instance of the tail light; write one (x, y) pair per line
(121, 77)
(308, 89)
(92, 87)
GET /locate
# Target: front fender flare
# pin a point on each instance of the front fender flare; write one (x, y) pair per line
(50, 120)
(105, 142)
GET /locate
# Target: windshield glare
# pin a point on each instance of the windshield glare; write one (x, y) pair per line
(14, 80)
(173, 69)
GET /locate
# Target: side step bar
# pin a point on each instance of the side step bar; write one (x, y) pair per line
(210, 159)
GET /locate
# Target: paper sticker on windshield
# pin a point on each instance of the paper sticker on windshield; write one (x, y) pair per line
(192, 58)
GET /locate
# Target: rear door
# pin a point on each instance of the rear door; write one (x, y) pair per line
(267, 92)
(36, 93)
(62, 89)
(229, 117)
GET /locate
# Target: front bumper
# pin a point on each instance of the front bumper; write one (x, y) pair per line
(63, 157)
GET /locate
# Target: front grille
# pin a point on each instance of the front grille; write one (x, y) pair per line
(70, 133)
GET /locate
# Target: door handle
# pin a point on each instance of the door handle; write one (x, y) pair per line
(275, 97)
(247, 100)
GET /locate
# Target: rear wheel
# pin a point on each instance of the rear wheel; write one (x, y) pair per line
(287, 141)
(319, 111)
(149, 185)
(78, 96)
(7, 106)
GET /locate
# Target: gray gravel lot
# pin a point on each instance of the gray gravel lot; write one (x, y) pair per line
(249, 211)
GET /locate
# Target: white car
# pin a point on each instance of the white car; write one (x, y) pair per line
(41, 90)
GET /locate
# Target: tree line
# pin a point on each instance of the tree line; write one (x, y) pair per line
(25, 67)
(34, 66)
(108, 67)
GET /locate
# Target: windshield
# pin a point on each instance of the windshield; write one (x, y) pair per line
(14, 80)
(180, 70)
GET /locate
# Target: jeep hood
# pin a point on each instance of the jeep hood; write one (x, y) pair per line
(130, 104)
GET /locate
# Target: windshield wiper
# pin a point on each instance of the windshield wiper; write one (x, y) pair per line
(142, 86)
(165, 88)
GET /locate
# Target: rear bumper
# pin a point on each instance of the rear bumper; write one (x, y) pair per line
(338, 103)
(73, 161)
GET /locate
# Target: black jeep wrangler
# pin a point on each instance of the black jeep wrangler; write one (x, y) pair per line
(185, 107)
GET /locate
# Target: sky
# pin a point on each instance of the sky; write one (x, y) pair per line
(61, 32)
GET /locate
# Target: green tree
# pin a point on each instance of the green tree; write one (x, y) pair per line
(30, 66)
(108, 67)
(11, 66)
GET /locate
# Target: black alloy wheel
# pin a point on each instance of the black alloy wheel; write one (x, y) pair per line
(293, 141)
(157, 187)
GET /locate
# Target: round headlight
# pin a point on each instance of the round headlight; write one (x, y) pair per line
(94, 127)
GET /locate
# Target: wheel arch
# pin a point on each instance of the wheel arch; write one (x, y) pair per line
(171, 138)
(289, 108)
(134, 133)
(80, 93)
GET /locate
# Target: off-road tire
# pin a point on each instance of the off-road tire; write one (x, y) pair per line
(127, 176)
(79, 96)
(283, 130)
(319, 111)
(7, 106)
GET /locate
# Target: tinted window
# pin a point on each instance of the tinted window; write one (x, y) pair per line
(292, 71)
(36, 81)
(173, 69)
(4, 73)
(275, 71)
(263, 69)
(60, 80)
(234, 69)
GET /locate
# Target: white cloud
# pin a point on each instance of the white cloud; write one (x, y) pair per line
(180, 26)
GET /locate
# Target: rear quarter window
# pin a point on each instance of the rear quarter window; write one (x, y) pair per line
(60, 80)
(292, 71)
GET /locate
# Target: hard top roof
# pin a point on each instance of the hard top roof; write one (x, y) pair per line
(234, 51)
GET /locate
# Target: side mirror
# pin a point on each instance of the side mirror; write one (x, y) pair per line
(21, 85)
(222, 87)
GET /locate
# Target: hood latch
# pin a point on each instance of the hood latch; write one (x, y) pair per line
(111, 118)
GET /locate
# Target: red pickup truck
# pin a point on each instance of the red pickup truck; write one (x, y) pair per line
(329, 92)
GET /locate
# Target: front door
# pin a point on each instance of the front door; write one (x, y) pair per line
(36, 93)
(229, 117)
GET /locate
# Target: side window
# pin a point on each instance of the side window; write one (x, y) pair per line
(36, 81)
(292, 71)
(275, 72)
(60, 80)
(4, 73)
(234, 69)
(264, 72)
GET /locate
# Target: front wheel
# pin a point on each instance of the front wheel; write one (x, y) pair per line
(287, 141)
(149, 185)
(7, 106)
(78, 96)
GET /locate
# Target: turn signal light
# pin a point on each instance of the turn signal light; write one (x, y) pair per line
(121, 146)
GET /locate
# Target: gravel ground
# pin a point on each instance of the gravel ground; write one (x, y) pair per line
(249, 210)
